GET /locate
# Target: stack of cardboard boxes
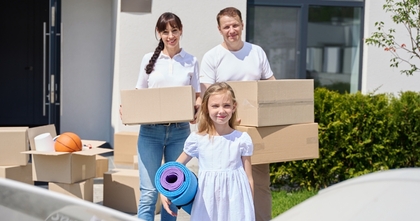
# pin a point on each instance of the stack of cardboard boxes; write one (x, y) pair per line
(69, 173)
(279, 117)
(13, 164)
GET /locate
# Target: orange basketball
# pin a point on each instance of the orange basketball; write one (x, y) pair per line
(68, 142)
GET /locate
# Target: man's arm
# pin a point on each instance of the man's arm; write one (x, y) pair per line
(271, 78)
(204, 87)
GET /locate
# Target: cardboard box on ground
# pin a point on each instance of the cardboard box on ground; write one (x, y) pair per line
(158, 105)
(63, 167)
(13, 164)
(122, 190)
(69, 173)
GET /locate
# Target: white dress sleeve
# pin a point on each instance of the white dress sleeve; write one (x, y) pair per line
(246, 145)
(190, 146)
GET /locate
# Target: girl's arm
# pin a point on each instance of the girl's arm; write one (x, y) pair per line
(246, 161)
(184, 158)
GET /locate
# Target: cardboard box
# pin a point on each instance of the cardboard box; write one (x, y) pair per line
(122, 190)
(158, 105)
(283, 143)
(64, 167)
(14, 140)
(273, 103)
(125, 147)
(19, 173)
(136, 162)
(102, 164)
(82, 190)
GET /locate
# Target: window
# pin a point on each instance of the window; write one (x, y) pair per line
(315, 39)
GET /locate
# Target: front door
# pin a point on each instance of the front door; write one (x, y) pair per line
(25, 70)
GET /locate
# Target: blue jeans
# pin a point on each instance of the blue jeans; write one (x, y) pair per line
(157, 141)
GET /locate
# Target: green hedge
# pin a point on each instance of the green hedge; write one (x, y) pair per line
(358, 134)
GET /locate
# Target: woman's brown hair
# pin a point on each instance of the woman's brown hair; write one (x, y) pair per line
(165, 19)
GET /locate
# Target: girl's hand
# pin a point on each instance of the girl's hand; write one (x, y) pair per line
(165, 203)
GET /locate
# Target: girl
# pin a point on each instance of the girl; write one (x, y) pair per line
(169, 65)
(225, 183)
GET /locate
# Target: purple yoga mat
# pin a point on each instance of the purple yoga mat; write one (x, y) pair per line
(172, 178)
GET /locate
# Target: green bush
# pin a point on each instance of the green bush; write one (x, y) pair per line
(358, 134)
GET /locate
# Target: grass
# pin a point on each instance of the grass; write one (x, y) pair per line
(283, 200)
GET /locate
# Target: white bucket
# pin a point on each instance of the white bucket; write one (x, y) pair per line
(44, 142)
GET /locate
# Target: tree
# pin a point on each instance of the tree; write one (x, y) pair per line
(405, 12)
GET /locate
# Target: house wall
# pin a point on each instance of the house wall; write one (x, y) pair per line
(87, 68)
(378, 76)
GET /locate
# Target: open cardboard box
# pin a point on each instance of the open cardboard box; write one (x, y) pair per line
(158, 105)
(273, 103)
(63, 167)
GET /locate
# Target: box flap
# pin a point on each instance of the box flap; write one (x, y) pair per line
(93, 151)
(35, 131)
(45, 153)
(93, 143)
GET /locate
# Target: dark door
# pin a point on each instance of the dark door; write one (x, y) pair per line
(24, 64)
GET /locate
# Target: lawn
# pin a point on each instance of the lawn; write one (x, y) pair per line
(283, 200)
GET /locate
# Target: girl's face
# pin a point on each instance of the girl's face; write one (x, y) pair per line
(221, 108)
(231, 28)
(170, 37)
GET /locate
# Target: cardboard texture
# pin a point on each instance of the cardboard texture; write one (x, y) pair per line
(158, 105)
(19, 173)
(82, 190)
(102, 164)
(122, 190)
(125, 147)
(64, 167)
(273, 103)
(14, 140)
(136, 162)
(283, 143)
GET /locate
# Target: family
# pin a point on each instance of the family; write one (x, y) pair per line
(228, 185)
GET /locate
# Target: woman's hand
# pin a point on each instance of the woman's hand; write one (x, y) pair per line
(165, 203)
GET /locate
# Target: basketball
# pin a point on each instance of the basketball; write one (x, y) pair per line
(68, 142)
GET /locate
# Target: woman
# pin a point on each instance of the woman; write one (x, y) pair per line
(168, 66)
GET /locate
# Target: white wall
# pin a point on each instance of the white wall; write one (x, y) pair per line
(87, 68)
(136, 37)
(377, 74)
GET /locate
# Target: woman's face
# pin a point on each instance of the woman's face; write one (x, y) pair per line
(170, 37)
(231, 28)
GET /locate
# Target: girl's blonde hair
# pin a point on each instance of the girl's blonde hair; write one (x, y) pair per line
(205, 123)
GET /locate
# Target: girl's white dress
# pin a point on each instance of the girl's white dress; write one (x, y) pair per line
(223, 193)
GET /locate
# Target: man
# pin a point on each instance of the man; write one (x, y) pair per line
(236, 60)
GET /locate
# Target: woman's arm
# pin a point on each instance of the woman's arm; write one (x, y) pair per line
(246, 161)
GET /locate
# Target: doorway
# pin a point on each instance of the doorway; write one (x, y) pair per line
(26, 73)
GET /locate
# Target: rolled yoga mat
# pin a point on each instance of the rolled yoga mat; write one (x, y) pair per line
(175, 181)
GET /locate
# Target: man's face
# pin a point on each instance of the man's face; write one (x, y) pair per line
(231, 28)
